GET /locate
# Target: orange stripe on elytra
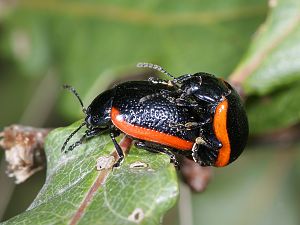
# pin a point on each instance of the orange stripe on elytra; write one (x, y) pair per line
(148, 134)
(220, 129)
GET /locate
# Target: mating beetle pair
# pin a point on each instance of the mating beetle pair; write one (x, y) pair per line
(198, 116)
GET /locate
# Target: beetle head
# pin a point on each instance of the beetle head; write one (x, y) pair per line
(204, 87)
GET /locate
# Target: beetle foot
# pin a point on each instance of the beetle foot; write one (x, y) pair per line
(119, 162)
(195, 155)
(175, 162)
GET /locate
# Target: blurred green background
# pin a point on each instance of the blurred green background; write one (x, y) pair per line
(92, 44)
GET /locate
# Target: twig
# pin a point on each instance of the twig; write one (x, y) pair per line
(238, 77)
(24, 150)
(196, 176)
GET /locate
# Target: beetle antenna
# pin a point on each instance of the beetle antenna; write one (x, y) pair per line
(71, 135)
(155, 67)
(70, 88)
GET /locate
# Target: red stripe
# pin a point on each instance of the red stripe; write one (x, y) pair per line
(220, 129)
(148, 134)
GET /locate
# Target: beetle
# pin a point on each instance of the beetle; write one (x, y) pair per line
(197, 115)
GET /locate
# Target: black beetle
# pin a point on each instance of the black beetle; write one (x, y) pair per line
(199, 116)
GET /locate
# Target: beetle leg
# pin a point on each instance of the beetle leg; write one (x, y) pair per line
(162, 93)
(202, 161)
(186, 126)
(141, 144)
(190, 125)
(206, 156)
(185, 103)
(193, 125)
(119, 150)
(158, 149)
(195, 155)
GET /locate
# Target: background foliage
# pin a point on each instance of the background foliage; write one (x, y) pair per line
(91, 44)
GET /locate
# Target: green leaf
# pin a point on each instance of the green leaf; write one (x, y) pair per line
(91, 43)
(273, 59)
(76, 192)
(271, 68)
(276, 111)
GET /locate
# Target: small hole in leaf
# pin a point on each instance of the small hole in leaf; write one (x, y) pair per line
(137, 215)
(138, 165)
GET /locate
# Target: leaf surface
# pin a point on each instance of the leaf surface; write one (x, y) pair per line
(271, 68)
(76, 193)
(273, 59)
